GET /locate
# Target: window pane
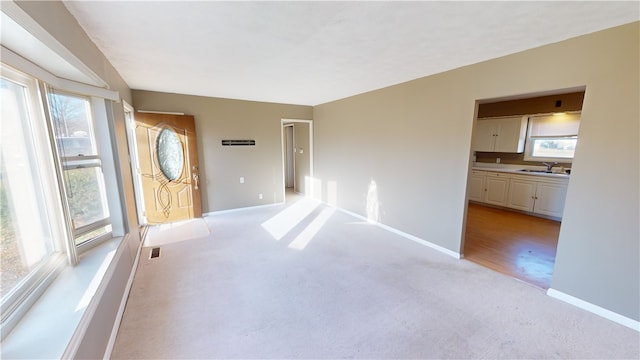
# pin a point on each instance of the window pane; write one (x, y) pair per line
(93, 234)
(554, 148)
(75, 137)
(71, 117)
(25, 236)
(86, 195)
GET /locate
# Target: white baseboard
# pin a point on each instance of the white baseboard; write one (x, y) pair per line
(405, 235)
(123, 302)
(241, 209)
(595, 309)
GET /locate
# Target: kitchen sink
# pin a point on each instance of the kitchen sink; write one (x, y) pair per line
(567, 172)
(537, 171)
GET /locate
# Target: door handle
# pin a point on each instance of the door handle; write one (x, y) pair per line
(195, 176)
(195, 180)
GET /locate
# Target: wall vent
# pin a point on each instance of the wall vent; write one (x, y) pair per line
(238, 142)
(155, 252)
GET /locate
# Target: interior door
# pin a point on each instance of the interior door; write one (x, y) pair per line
(169, 173)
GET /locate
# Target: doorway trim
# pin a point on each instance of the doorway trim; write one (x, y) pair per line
(133, 160)
(309, 192)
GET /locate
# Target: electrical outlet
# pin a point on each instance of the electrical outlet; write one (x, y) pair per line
(497, 160)
(260, 196)
(241, 179)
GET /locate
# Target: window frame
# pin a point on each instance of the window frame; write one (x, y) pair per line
(67, 163)
(17, 301)
(529, 142)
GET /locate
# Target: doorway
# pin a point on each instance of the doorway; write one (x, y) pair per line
(500, 233)
(297, 156)
(289, 146)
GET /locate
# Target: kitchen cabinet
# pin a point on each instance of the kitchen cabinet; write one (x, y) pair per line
(489, 187)
(496, 187)
(522, 194)
(538, 195)
(501, 134)
(550, 199)
(476, 185)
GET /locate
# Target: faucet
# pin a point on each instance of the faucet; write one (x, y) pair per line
(549, 165)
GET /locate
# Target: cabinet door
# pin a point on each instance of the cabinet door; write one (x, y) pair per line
(550, 199)
(511, 135)
(497, 187)
(476, 187)
(484, 137)
(522, 194)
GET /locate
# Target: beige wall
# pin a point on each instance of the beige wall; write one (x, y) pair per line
(222, 166)
(413, 140)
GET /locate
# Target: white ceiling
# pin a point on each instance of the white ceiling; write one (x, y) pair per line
(310, 53)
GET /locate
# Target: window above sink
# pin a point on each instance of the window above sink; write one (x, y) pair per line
(552, 137)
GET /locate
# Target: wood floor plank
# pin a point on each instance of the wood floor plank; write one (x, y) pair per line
(512, 243)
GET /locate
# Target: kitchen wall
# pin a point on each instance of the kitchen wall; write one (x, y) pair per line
(411, 142)
(222, 166)
(529, 106)
(533, 105)
(512, 159)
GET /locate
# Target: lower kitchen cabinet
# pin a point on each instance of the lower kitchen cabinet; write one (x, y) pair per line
(489, 187)
(530, 193)
(550, 199)
(522, 193)
(496, 188)
(538, 195)
(476, 185)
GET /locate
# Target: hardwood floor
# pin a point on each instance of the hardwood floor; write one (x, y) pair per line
(512, 243)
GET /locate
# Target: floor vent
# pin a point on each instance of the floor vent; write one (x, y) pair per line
(155, 252)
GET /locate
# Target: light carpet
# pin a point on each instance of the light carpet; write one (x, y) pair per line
(353, 290)
(164, 234)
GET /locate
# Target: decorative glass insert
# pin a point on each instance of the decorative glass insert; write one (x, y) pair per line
(170, 155)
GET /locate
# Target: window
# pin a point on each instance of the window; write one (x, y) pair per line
(72, 123)
(552, 137)
(31, 240)
(55, 201)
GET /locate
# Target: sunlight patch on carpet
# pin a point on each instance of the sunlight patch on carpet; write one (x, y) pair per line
(174, 232)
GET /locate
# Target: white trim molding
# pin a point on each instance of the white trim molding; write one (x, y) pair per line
(17, 61)
(217, 212)
(123, 303)
(405, 235)
(595, 309)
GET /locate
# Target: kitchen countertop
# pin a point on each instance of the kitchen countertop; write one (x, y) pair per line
(516, 169)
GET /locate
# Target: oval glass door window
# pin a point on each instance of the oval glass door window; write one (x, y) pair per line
(170, 155)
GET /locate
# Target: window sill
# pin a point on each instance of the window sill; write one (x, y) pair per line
(54, 317)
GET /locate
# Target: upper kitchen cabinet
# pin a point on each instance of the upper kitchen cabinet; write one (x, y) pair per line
(500, 134)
